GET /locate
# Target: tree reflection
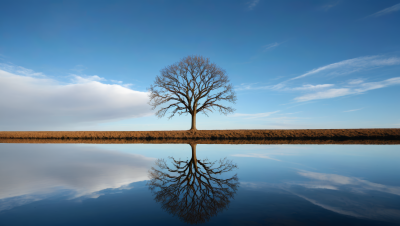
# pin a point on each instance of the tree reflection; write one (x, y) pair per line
(190, 189)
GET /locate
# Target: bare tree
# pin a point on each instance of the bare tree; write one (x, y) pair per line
(190, 86)
(190, 189)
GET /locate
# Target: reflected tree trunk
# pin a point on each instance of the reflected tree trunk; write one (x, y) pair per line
(193, 160)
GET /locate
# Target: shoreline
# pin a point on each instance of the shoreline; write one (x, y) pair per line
(185, 136)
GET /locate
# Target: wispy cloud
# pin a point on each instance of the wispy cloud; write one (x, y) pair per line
(20, 70)
(86, 79)
(290, 113)
(79, 68)
(339, 180)
(329, 6)
(356, 89)
(127, 85)
(253, 4)
(249, 86)
(270, 46)
(116, 81)
(327, 91)
(309, 87)
(331, 93)
(339, 68)
(349, 193)
(353, 110)
(388, 10)
(253, 116)
(341, 194)
(252, 86)
(281, 86)
(356, 81)
(346, 206)
(352, 65)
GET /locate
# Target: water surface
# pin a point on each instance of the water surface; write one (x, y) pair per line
(173, 184)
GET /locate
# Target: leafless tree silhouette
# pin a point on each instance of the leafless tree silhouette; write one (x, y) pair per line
(190, 189)
(190, 86)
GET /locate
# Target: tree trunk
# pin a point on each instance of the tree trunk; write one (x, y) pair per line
(194, 157)
(193, 121)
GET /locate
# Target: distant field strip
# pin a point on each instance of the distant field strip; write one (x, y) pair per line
(204, 141)
(301, 134)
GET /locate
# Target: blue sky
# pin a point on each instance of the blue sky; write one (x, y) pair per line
(86, 65)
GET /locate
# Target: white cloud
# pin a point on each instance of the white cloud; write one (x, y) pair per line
(329, 6)
(86, 79)
(352, 65)
(312, 87)
(318, 186)
(270, 46)
(355, 89)
(252, 116)
(127, 85)
(341, 194)
(335, 209)
(115, 81)
(353, 205)
(356, 81)
(353, 110)
(331, 93)
(250, 86)
(376, 85)
(253, 4)
(339, 68)
(20, 70)
(277, 86)
(39, 170)
(359, 184)
(333, 178)
(388, 10)
(38, 103)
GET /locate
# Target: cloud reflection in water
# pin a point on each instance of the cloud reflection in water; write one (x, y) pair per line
(33, 172)
(349, 196)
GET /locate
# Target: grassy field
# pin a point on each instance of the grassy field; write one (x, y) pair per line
(203, 141)
(300, 134)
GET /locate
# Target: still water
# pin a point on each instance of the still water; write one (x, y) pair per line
(181, 184)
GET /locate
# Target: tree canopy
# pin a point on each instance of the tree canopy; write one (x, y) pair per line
(190, 86)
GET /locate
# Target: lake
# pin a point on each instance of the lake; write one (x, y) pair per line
(207, 184)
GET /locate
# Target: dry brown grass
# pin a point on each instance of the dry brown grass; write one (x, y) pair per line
(243, 135)
(203, 141)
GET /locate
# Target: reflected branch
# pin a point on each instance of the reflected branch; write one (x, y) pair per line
(191, 189)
